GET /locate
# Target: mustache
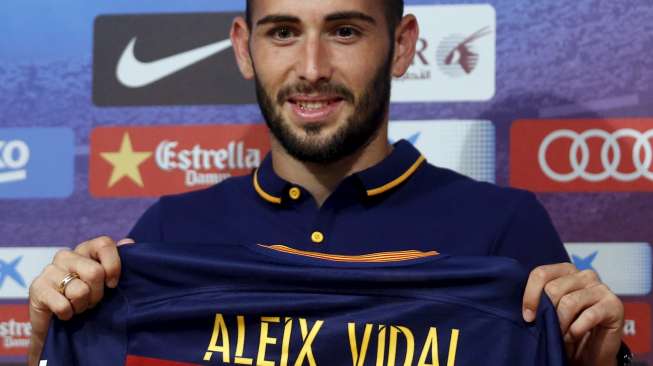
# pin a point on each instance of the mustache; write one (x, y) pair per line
(327, 88)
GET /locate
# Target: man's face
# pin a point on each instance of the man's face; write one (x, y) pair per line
(322, 71)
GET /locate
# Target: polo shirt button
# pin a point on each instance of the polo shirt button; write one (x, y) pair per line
(317, 237)
(295, 193)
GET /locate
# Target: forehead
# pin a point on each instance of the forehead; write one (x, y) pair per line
(316, 10)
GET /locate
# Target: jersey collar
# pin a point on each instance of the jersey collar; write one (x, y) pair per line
(390, 173)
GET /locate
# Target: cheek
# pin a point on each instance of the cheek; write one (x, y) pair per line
(272, 66)
(357, 67)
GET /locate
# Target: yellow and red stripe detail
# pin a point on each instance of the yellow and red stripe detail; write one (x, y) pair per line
(381, 257)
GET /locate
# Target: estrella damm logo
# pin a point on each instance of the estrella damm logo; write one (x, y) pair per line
(637, 327)
(36, 162)
(15, 330)
(153, 161)
(584, 155)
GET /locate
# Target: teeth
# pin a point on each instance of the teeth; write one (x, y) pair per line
(311, 105)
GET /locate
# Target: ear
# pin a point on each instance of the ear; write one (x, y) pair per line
(240, 40)
(406, 36)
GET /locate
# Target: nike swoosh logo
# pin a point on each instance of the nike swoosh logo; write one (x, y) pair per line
(133, 73)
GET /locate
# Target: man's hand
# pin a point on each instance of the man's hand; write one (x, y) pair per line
(591, 316)
(96, 262)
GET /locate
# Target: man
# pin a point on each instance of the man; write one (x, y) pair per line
(332, 182)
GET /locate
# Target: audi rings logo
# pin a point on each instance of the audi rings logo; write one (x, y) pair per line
(611, 155)
(582, 155)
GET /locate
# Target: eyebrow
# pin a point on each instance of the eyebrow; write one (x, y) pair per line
(349, 15)
(338, 16)
(278, 18)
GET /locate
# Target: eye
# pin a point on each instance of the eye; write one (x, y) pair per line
(282, 33)
(346, 32)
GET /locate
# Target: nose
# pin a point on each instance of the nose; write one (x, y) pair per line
(314, 63)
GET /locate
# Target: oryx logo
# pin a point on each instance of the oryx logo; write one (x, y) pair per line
(582, 155)
(36, 162)
(457, 55)
(146, 60)
(611, 155)
(14, 156)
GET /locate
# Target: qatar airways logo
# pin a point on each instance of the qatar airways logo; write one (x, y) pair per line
(14, 157)
(200, 164)
(15, 334)
(455, 57)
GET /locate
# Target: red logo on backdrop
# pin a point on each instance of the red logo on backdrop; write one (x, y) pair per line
(152, 161)
(637, 329)
(15, 330)
(582, 155)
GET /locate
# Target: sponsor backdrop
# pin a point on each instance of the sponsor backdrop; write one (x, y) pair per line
(105, 105)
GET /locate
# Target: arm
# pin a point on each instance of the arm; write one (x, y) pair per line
(98, 265)
(591, 316)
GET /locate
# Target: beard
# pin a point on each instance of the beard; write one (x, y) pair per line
(356, 133)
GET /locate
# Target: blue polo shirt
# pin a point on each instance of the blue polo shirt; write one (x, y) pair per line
(402, 203)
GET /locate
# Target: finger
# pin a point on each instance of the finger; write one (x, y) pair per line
(608, 313)
(105, 251)
(88, 270)
(574, 348)
(77, 291)
(559, 287)
(537, 279)
(45, 300)
(573, 304)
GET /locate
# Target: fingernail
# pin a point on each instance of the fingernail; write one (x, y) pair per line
(528, 314)
(112, 283)
(125, 241)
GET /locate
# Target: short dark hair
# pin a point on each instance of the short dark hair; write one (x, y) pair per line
(394, 11)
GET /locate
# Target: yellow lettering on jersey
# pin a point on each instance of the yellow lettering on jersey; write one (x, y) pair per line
(380, 346)
(285, 343)
(431, 345)
(219, 332)
(453, 347)
(240, 344)
(410, 345)
(359, 359)
(306, 352)
(265, 340)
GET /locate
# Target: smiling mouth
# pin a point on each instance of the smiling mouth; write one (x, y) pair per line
(314, 104)
(307, 109)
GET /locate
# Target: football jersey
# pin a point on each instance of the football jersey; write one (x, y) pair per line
(272, 305)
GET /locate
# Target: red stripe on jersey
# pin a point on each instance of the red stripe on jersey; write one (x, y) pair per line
(146, 361)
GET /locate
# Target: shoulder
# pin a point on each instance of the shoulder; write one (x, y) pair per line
(230, 189)
(174, 217)
(510, 222)
(466, 193)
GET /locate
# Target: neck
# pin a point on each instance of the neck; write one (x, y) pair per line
(322, 179)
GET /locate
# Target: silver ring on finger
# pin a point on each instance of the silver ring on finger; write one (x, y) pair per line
(71, 276)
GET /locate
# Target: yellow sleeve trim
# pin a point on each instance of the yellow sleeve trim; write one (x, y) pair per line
(262, 193)
(382, 257)
(399, 180)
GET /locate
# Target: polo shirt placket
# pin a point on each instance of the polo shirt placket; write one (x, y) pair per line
(363, 189)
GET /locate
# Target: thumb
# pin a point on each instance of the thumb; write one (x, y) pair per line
(40, 321)
(125, 242)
